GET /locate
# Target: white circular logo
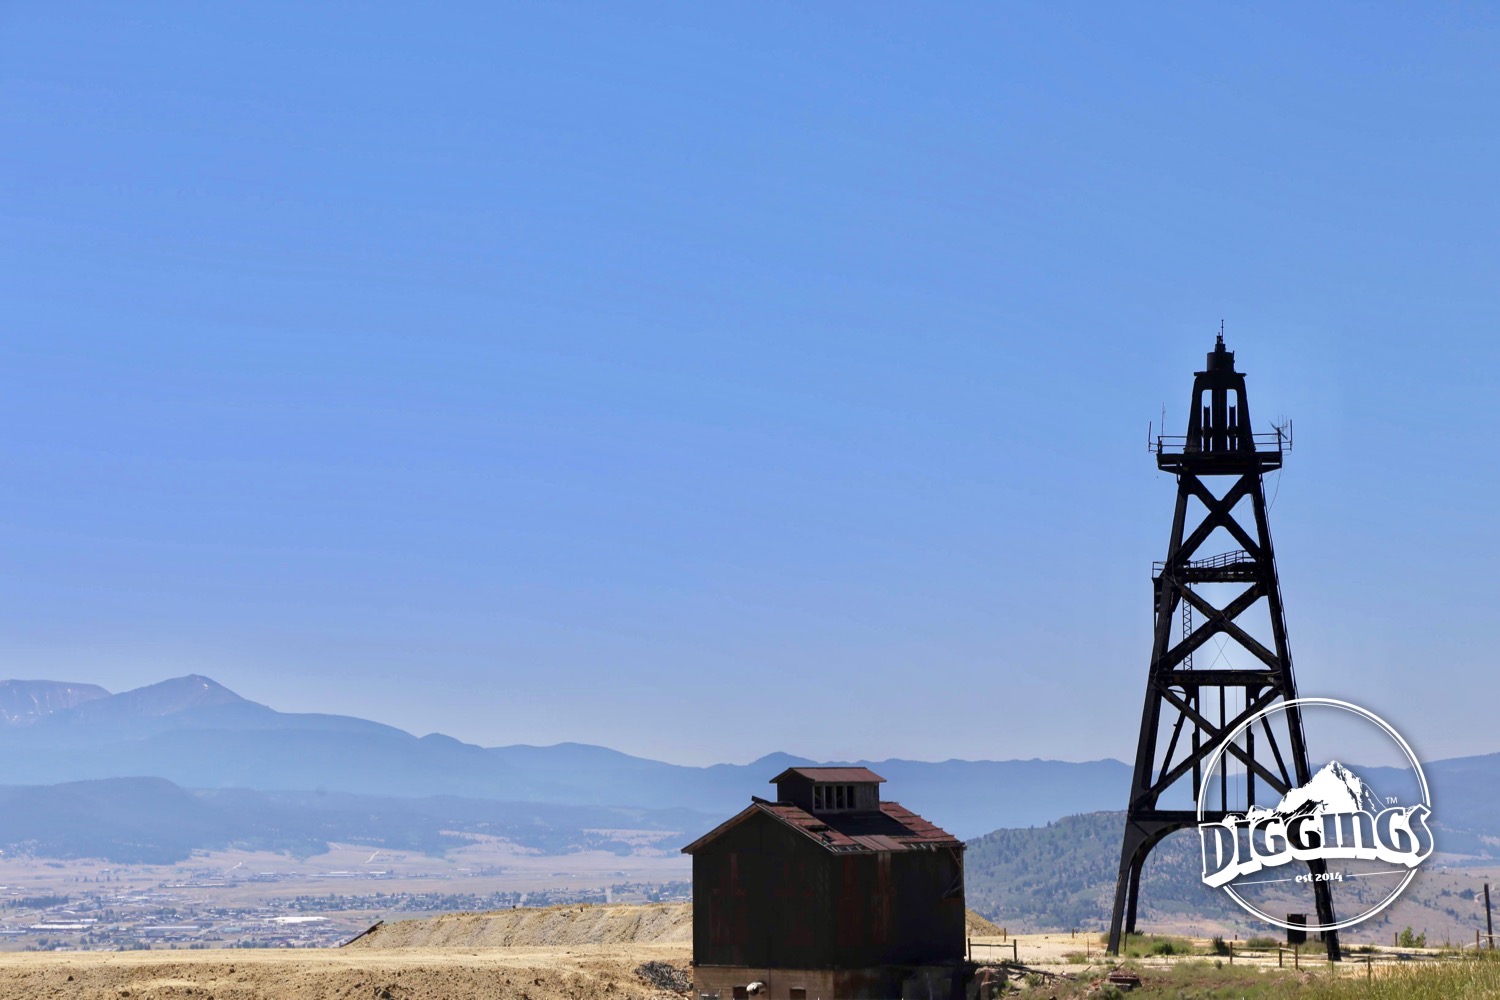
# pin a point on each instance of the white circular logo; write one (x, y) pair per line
(1362, 846)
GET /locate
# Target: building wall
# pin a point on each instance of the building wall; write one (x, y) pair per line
(766, 896)
(879, 983)
(761, 897)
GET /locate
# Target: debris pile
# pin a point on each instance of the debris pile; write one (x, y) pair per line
(665, 976)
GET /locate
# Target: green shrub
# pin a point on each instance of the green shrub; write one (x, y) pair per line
(1218, 946)
(1407, 939)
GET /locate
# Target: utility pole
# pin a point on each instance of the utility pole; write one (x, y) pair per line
(1489, 925)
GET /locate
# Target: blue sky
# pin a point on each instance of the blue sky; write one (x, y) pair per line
(708, 380)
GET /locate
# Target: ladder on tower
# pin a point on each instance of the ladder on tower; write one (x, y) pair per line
(1187, 632)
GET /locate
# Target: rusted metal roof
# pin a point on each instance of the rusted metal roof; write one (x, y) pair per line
(893, 828)
(920, 829)
(816, 827)
(842, 774)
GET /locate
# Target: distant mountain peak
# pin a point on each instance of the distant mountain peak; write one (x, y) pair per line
(178, 694)
(199, 681)
(23, 703)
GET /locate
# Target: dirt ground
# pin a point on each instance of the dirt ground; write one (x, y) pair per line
(357, 974)
(404, 968)
(550, 926)
(551, 953)
(977, 926)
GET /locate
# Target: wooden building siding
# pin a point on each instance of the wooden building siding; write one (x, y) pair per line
(765, 895)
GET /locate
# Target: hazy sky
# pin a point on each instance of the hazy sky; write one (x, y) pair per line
(705, 380)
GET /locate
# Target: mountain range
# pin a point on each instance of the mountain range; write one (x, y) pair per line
(198, 735)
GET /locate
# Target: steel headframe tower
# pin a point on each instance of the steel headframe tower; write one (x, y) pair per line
(1219, 446)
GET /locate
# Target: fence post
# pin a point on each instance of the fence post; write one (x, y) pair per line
(1278, 956)
(1015, 952)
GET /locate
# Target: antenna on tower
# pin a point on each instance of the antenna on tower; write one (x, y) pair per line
(1154, 440)
(1283, 429)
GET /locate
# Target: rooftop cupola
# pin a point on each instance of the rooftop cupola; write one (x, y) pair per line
(829, 789)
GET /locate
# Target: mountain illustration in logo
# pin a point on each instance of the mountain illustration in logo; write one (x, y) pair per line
(1334, 789)
(1332, 817)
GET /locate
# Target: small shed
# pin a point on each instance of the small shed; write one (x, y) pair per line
(827, 892)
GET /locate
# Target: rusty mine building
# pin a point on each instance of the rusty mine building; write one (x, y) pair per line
(827, 892)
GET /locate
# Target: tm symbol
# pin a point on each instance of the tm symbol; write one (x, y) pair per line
(1390, 800)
